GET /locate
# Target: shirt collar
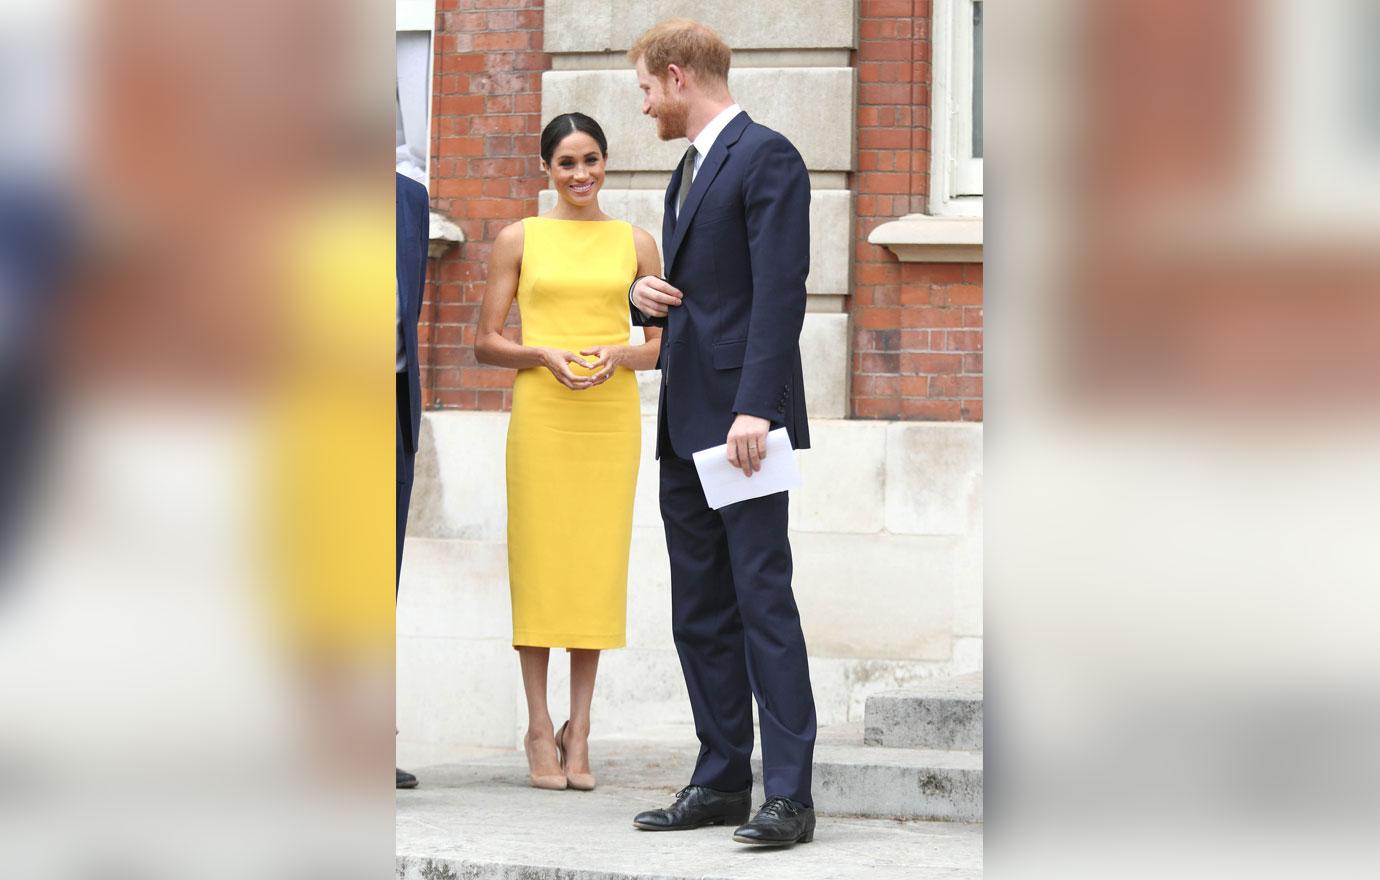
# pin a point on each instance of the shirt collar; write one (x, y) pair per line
(710, 133)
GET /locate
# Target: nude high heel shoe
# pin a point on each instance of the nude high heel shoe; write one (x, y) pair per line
(577, 781)
(549, 782)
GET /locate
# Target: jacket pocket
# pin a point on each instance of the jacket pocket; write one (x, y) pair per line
(728, 355)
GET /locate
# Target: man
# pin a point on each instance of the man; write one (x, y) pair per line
(736, 238)
(413, 219)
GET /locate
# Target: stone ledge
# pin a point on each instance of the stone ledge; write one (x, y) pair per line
(443, 232)
(921, 238)
(611, 25)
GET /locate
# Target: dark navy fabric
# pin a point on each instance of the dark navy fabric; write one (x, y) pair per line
(740, 253)
(413, 220)
(738, 635)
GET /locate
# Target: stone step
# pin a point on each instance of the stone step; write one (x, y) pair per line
(941, 714)
(858, 780)
(479, 821)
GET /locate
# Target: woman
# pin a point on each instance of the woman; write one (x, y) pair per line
(575, 434)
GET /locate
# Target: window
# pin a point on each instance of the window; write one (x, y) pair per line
(956, 115)
(415, 20)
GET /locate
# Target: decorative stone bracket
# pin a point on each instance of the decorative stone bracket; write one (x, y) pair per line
(444, 233)
(921, 238)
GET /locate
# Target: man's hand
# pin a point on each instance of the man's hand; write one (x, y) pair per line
(653, 296)
(747, 443)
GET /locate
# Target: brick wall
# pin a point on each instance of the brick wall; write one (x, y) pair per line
(917, 327)
(485, 174)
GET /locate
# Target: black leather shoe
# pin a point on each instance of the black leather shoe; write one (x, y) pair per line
(780, 822)
(696, 807)
(405, 779)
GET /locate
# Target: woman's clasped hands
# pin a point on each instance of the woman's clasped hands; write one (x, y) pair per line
(607, 359)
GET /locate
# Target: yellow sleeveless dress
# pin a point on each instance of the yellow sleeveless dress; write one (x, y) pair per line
(572, 455)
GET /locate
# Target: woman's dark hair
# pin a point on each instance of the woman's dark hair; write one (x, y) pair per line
(565, 125)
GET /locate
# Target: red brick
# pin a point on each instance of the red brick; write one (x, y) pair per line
(884, 139)
(932, 273)
(468, 63)
(916, 295)
(462, 146)
(877, 408)
(492, 400)
(879, 362)
(886, 50)
(458, 188)
(886, 8)
(492, 124)
(915, 386)
(964, 295)
(491, 41)
(930, 410)
(879, 318)
(884, 183)
(931, 316)
(931, 364)
(487, 377)
(963, 340)
(878, 273)
(887, 92)
(918, 340)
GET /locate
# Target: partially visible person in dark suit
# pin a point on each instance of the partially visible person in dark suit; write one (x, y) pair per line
(34, 248)
(413, 212)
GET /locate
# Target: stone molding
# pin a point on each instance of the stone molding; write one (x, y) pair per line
(921, 238)
(612, 25)
(442, 232)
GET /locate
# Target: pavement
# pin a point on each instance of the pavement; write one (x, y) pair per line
(479, 819)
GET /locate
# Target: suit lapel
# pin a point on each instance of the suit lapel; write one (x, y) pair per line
(709, 169)
(668, 218)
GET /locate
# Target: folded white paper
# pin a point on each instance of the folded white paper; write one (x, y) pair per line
(725, 484)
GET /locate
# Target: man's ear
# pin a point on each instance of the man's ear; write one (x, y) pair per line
(676, 74)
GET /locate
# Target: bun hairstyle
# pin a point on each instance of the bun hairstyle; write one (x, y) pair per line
(565, 125)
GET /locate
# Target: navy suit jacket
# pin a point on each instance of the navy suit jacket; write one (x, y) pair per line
(413, 219)
(740, 253)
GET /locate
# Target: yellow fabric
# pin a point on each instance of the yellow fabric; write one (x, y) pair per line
(572, 455)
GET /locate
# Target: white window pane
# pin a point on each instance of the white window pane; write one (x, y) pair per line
(413, 108)
(977, 80)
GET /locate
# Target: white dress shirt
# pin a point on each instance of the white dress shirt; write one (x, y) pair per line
(704, 141)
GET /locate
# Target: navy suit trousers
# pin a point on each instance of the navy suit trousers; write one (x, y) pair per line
(738, 634)
(406, 458)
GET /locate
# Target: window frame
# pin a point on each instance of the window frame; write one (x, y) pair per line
(955, 174)
(419, 16)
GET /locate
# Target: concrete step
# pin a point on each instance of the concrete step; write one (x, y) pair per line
(480, 821)
(942, 714)
(858, 780)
